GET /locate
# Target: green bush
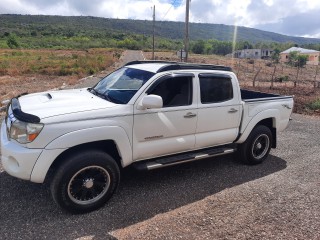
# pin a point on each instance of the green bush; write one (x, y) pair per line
(282, 79)
(315, 105)
(91, 71)
(297, 60)
(275, 56)
(198, 47)
(12, 41)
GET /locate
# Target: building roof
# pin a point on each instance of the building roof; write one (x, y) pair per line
(300, 50)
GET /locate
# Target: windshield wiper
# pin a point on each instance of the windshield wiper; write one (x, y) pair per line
(96, 93)
(104, 96)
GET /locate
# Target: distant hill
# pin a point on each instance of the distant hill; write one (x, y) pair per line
(31, 25)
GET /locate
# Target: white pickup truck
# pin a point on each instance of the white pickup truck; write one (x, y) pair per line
(147, 114)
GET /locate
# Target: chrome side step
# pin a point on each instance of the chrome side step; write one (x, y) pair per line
(181, 158)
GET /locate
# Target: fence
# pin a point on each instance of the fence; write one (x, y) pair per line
(258, 72)
(264, 72)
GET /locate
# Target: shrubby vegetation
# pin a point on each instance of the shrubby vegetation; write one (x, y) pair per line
(12, 41)
(296, 59)
(315, 105)
(275, 56)
(28, 25)
(55, 62)
(57, 32)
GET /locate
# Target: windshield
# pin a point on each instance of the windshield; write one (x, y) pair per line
(121, 85)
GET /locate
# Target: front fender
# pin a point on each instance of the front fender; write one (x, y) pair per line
(270, 113)
(75, 138)
(117, 134)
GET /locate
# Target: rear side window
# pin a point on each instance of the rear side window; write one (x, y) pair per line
(214, 89)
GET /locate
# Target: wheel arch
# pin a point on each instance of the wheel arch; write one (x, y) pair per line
(270, 123)
(107, 146)
(113, 139)
(266, 118)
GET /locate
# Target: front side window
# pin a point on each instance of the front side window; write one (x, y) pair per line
(121, 85)
(214, 89)
(175, 91)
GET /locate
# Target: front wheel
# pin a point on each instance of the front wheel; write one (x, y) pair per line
(257, 146)
(85, 181)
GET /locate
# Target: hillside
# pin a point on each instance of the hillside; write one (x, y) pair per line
(39, 25)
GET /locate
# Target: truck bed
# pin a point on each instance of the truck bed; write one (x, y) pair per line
(253, 96)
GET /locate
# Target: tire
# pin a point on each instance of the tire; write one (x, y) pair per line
(257, 146)
(85, 181)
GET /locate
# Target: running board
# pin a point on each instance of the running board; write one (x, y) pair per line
(181, 158)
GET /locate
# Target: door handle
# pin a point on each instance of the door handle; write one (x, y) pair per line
(190, 115)
(232, 110)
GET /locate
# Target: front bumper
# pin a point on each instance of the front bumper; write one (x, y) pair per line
(17, 160)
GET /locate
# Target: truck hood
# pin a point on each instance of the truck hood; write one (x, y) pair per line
(54, 103)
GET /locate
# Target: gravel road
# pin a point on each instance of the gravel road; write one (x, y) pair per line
(217, 198)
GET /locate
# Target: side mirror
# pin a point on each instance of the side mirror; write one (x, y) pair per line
(151, 101)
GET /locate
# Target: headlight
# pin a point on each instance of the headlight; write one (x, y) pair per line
(24, 132)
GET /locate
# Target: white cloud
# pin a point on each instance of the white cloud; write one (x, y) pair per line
(271, 15)
(317, 35)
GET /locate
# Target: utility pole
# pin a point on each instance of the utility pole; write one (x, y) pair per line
(186, 39)
(154, 19)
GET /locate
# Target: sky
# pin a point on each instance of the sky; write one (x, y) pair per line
(289, 17)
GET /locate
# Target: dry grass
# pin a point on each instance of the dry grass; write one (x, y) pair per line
(304, 93)
(39, 70)
(54, 62)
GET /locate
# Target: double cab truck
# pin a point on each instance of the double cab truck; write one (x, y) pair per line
(148, 115)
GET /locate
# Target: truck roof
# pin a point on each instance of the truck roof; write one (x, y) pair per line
(162, 66)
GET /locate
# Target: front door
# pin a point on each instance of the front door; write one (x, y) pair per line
(170, 129)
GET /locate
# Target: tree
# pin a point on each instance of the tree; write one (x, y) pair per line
(302, 60)
(292, 58)
(297, 60)
(12, 41)
(275, 56)
(198, 47)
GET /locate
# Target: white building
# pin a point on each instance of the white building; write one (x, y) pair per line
(253, 53)
(313, 55)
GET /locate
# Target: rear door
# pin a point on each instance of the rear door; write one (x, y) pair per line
(219, 110)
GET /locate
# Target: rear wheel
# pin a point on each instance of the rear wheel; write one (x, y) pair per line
(85, 181)
(257, 146)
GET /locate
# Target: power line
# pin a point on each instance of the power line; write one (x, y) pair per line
(174, 2)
